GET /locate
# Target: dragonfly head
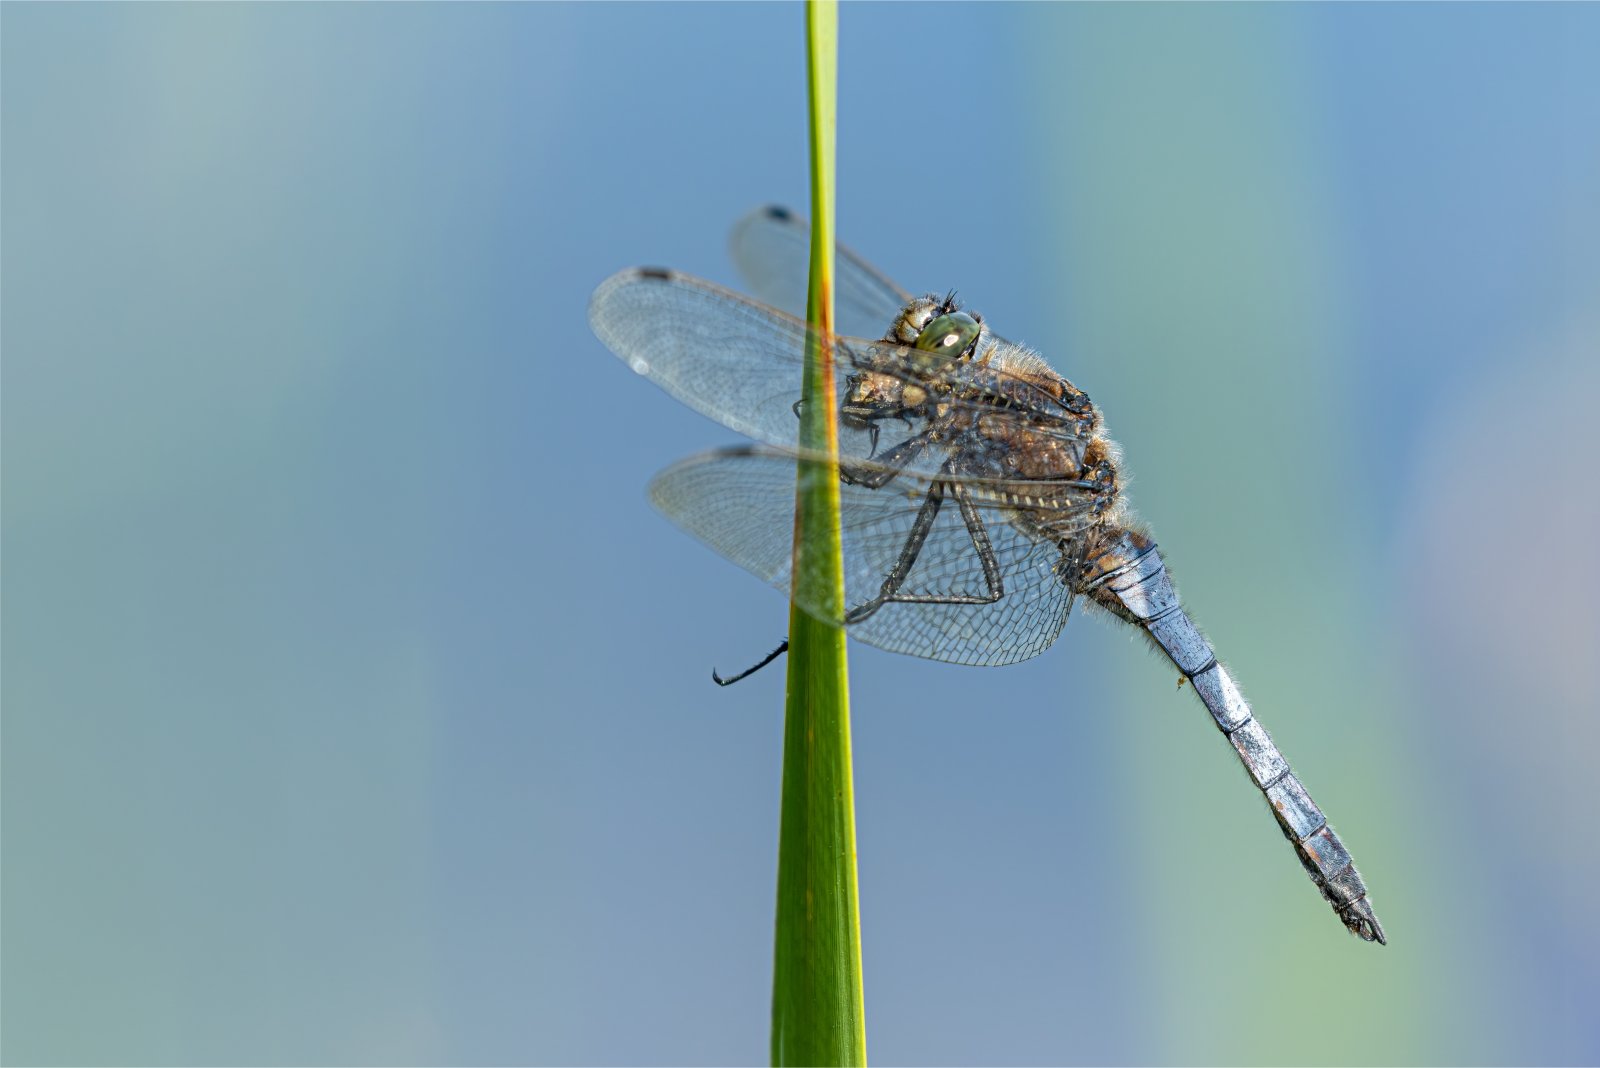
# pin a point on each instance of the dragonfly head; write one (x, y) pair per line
(938, 331)
(935, 333)
(919, 320)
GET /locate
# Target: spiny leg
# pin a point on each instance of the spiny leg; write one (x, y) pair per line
(892, 464)
(979, 532)
(783, 647)
(908, 555)
(879, 475)
(887, 467)
(976, 530)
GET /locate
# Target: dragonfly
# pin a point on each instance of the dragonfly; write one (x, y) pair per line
(980, 493)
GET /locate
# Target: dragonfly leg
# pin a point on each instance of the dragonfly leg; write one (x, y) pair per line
(890, 591)
(980, 541)
(884, 470)
(908, 556)
(783, 647)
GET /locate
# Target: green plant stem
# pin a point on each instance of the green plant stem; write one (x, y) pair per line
(817, 1014)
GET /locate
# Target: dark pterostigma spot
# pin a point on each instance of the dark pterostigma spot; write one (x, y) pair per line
(779, 212)
(655, 272)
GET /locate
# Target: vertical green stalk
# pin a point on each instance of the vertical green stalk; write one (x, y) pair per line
(817, 1016)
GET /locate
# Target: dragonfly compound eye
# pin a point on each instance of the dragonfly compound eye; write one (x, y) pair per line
(946, 338)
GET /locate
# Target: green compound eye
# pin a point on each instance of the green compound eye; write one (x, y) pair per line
(947, 337)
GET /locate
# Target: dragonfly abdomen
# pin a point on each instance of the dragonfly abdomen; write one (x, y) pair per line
(1130, 578)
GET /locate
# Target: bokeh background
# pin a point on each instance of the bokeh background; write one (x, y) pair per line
(356, 704)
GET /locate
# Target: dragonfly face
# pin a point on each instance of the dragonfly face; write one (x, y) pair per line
(938, 335)
(980, 496)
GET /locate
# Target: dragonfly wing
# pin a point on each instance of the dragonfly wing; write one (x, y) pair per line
(772, 248)
(740, 502)
(741, 363)
(734, 360)
(725, 356)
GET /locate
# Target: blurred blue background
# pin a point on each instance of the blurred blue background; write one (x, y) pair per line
(356, 704)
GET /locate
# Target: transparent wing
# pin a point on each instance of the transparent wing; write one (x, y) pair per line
(741, 363)
(740, 502)
(772, 248)
(722, 354)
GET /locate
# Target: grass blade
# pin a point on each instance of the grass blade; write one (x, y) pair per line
(817, 1015)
